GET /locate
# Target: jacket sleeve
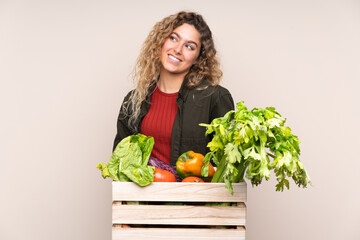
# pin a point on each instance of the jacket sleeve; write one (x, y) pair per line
(123, 129)
(222, 103)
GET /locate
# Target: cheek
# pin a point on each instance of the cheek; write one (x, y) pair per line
(193, 57)
(163, 52)
(166, 46)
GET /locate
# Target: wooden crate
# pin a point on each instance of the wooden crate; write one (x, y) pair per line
(160, 218)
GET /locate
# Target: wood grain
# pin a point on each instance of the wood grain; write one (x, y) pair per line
(179, 215)
(177, 234)
(179, 192)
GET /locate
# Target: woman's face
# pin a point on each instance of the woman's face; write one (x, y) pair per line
(180, 50)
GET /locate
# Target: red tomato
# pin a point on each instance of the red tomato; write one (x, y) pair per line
(192, 179)
(163, 176)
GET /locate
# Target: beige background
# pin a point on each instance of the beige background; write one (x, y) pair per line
(64, 69)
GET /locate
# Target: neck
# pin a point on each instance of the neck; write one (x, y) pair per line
(170, 83)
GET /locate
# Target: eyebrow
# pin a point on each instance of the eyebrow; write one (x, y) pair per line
(190, 41)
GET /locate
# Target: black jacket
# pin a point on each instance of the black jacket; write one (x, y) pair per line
(200, 105)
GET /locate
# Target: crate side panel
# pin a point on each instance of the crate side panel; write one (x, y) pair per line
(179, 215)
(177, 234)
(179, 192)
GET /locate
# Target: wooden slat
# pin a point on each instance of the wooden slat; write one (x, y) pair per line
(179, 215)
(177, 234)
(178, 192)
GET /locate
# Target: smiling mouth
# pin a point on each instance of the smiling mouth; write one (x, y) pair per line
(174, 58)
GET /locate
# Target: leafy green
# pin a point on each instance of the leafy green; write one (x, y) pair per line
(129, 161)
(243, 142)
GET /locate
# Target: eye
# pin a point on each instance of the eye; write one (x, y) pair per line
(172, 38)
(189, 47)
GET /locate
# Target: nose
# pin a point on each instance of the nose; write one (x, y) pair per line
(178, 49)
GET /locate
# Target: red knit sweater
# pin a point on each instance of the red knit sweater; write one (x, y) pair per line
(158, 123)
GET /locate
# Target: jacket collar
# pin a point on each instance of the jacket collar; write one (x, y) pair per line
(183, 91)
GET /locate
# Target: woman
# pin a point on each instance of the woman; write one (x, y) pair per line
(177, 76)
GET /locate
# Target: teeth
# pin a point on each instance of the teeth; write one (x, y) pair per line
(174, 58)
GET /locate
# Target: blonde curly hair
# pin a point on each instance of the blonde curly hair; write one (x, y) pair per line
(148, 64)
